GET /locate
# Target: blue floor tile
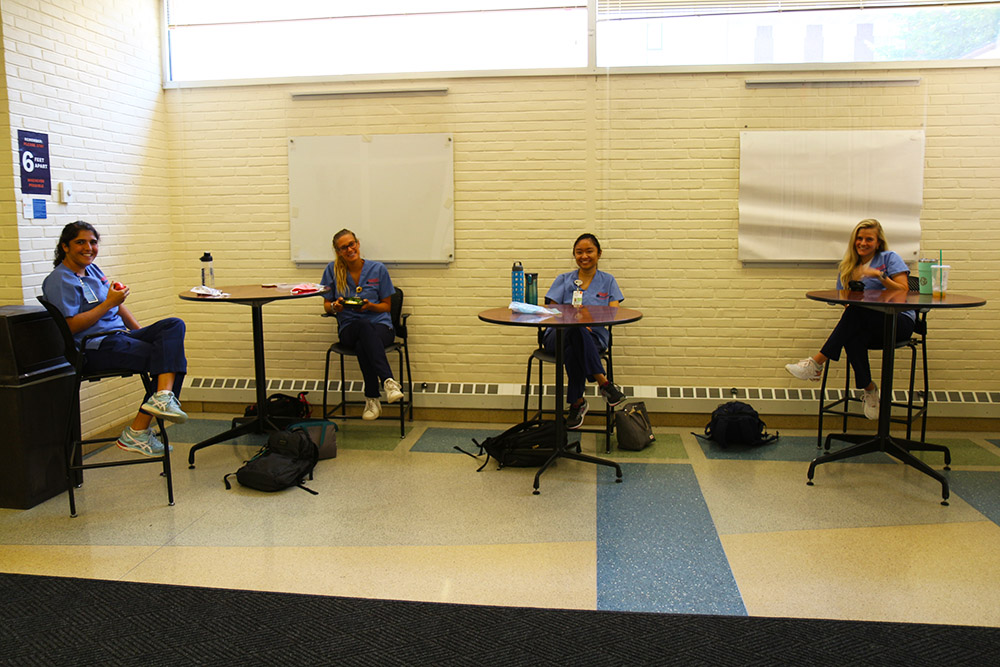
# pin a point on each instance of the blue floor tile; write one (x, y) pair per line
(785, 448)
(657, 547)
(196, 430)
(979, 489)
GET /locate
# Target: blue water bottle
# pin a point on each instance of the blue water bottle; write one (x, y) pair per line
(517, 283)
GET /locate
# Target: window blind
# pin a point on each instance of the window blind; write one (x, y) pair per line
(611, 10)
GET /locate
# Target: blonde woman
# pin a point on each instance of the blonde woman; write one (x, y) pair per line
(868, 261)
(361, 292)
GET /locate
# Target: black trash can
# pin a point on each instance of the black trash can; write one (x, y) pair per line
(36, 393)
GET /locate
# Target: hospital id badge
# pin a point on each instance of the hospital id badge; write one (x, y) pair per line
(577, 298)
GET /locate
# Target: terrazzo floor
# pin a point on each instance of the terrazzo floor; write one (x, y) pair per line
(692, 529)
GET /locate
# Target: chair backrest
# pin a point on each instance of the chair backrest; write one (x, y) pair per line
(396, 312)
(913, 283)
(70, 350)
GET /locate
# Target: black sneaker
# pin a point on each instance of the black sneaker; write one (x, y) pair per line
(576, 414)
(612, 393)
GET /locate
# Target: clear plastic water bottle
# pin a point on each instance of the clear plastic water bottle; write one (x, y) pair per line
(517, 282)
(207, 272)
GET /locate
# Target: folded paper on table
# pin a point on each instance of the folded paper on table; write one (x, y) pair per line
(204, 290)
(531, 309)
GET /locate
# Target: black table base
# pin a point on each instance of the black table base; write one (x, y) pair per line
(562, 450)
(897, 448)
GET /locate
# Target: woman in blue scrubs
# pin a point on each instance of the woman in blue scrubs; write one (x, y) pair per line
(868, 261)
(92, 305)
(582, 346)
(368, 328)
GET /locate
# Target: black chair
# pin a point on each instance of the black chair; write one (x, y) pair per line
(542, 356)
(842, 407)
(398, 346)
(74, 444)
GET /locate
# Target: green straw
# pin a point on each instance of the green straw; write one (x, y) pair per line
(940, 271)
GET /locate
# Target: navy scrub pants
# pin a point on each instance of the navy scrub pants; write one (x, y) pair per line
(158, 348)
(581, 357)
(860, 330)
(369, 342)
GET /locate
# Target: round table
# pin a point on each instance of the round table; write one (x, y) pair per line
(890, 302)
(568, 316)
(254, 296)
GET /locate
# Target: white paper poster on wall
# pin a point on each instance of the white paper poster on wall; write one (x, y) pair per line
(395, 191)
(802, 192)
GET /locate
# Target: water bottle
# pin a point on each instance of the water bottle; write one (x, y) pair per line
(531, 288)
(517, 283)
(207, 272)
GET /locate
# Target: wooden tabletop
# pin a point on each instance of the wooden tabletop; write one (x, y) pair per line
(896, 299)
(569, 316)
(251, 294)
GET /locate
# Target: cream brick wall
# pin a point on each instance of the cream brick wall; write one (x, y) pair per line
(88, 75)
(650, 163)
(10, 264)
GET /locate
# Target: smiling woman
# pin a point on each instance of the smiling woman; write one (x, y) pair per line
(361, 295)
(95, 310)
(868, 261)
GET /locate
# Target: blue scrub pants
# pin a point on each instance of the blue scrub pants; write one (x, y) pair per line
(581, 357)
(158, 348)
(860, 330)
(369, 342)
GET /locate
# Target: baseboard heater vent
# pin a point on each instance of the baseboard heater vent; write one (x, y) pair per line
(241, 389)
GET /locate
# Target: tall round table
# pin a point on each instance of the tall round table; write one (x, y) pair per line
(254, 296)
(890, 302)
(569, 316)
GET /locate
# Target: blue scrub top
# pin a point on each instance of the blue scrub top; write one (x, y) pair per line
(73, 295)
(891, 263)
(602, 290)
(376, 285)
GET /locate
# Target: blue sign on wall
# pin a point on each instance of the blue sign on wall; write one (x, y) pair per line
(35, 176)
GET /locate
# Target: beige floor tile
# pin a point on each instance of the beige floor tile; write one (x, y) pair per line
(945, 573)
(92, 562)
(559, 575)
(844, 495)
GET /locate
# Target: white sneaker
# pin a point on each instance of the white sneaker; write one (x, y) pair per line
(373, 408)
(871, 403)
(807, 369)
(393, 392)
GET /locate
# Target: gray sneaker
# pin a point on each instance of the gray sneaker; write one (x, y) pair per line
(576, 414)
(140, 442)
(164, 404)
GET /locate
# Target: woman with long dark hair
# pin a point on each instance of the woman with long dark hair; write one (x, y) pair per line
(582, 346)
(92, 304)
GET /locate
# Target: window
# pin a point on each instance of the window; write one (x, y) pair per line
(210, 40)
(754, 32)
(237, 39)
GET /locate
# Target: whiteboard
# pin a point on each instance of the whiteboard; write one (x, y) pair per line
(394, 191)
(802, 192)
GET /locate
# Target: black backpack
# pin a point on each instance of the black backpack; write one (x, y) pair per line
(736, 424)
(286, 460)
(283, 410)
(526, 445)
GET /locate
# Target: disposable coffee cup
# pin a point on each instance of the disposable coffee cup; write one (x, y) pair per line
(939, 278)
(924, 273)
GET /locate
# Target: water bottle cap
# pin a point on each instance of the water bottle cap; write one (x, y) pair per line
(207, 257)
(517, 265)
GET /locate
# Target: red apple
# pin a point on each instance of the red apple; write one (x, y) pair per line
(118, 286)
